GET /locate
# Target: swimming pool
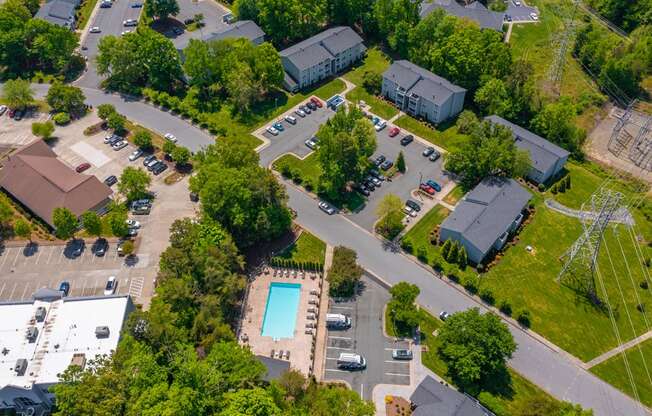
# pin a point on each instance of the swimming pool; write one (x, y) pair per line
(281, 310)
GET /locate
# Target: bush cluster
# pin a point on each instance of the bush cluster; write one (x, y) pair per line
(293, 264)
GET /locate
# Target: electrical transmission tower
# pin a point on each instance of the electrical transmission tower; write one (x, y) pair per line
(620, 138)
(557, 67)
(580, 260)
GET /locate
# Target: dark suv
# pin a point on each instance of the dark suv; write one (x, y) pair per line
(407, 140)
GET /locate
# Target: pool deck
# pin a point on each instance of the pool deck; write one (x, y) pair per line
(300, 346)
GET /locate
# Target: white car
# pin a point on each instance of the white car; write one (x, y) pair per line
(517, 3)
(124, 32)
(290, 119)
(95, 29)
(326, 207)
(170, 137)
(111, 284)
(380, 125)
(271, 130)
(3, 108)
(135, 155)
(409, 211)
(131, 223)
(130, 22)
(120, 145)
(534, 16)
(300, 112)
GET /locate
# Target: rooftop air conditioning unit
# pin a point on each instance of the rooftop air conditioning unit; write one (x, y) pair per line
(102, 332)
(40, 314)
(20, 367)
(32, 333)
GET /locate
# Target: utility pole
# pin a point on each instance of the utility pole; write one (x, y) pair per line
(580, 260)
(557, 67)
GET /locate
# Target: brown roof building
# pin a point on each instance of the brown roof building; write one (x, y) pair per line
(41, 182)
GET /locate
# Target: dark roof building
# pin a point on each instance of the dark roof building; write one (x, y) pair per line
(421, 93)
(59, 12)
(431, 398)
(247, 29)
(37, 179)
(475, 11)
(275, 368)
(321, 56)
(484, 218)
(547, 158)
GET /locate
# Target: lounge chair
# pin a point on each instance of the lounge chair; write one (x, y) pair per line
(287, 355)
(272, 353)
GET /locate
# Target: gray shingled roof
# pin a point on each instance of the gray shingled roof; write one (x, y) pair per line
(487, 211)
(543, 153)
(241, 29)
(475, 11)
(275, 367)
(433, 398)
(422, 82)
(58, 12)
(324, 45)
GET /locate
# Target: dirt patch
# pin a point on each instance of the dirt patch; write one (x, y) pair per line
(397, 406)
(257, 254)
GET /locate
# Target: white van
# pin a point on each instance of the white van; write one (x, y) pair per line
(349, 361)
(337, 320)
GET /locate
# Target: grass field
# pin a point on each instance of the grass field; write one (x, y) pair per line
(559, 312)
(515, 397)
(455, 195)
(375, 61)
(614, 372)
(445, 136)
(84, 13)
(382, 109)
(307, 248)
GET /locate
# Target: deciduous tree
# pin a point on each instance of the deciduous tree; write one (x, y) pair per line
(43, 130)
(133, 183)
(92, 223)
(17, 93)
(23, 229)
(402, 307)
(65, 223)
(143, 139)
(344, 272)
(66, 98)
(390, 216)
(161, 9)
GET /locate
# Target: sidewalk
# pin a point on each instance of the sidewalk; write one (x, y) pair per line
(320, 351)
(627, 345)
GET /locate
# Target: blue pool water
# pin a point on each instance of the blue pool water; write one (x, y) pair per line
(281, 310)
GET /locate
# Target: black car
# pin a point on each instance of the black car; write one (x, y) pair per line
(412, 204)
(65, 288)
(434, 156)
(111, 180)
(311, 105)
(362, 189)
(369, 185)
(148, 159)
(386, 165)
(379, 160)
(407, 140)
(508, 18)
(376, 174)
(158, 168)
(18, 115)
(305, 109)
(177, 30)
(100, 247)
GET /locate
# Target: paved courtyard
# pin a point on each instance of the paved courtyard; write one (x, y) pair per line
(365, 337)
(18, 133)
(300, 345)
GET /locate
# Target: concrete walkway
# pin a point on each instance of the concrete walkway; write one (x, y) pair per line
(320, 350)
(627, 345)
(621, 216)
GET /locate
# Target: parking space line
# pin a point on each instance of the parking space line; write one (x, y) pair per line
(336, 371)
(397, 362)
(339, 348)
(6, 254)
(16, 258)
(342, 307)
(12, 291)
(50, 256)
(346, 338)
(25, 291)
(397, 374)
(39, 255)
(3, 289)
(83, 287)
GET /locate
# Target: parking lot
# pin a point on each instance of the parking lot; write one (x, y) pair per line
(18, 133)
(520, 13)
(213, 13)
(365, 337)
(292, 139)
(419, 169)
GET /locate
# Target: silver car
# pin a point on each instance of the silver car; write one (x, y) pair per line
(120, 145)
(135, 155)
(299, 112)
(327, 208)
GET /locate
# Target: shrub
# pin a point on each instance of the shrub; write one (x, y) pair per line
(286, 171)
(296, 178)
(487, 295)
(523, 317)
(61, 118)
(309, 186)
(406, 245)
(454, 277)
(471, 284)
(422, 254)
(554, 189)
(505, 307)
(480, 268)
(436, 265)
(541, 187)
(643, 285)
(568, 182)
(640, 307)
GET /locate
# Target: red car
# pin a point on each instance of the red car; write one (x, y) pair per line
(394, 131)
(317, 102)
(427, 189)
(82, 167)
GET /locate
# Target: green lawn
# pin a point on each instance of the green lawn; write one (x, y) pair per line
(510, 400)
(306, 249)
(455, 195)
(613, 371)
(84, 13)
(445, 136)
(375, 61)
(382, 109)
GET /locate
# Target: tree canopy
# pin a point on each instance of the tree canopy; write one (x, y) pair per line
(402, 306)
(133, 183)
(344, 272)
(161, 9)
(66, 98)
(65, 223)
(17, 93)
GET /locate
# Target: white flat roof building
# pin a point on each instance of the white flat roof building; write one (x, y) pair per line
(40, 339)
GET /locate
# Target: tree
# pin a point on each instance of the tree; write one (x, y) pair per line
(116, 121)
(23, 229)
(65, 223)
(556, 123)
(17, 93)
(246, 9)
(390, 216)
(475, 347)
(6, 211)
(133, 183)
(288, 20)
(522, 164)
(169, 147)
(43, 130)
(346, 142)
(402, 307)
(66, 98)
(466, 122)
(250, 402)
(453, 253)
(128, 248)
(105, 110)
(92, 223)
(462, 257)
(400, 162)
(372, 82)
(143, 139)
(344, 272)
(446, 249)
(181, 155)
(493, 98)
(118, 223)
(161, 9)
(61, 119)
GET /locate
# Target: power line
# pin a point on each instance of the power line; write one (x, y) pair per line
(557, 67)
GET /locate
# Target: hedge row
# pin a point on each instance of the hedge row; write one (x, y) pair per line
(293, 264)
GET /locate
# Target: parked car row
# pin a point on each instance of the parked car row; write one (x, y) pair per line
(141, 206)
(116, 142)
(383, 163)
(431, 153)
(430, 187)
(15, 114)
(304, 109)
(312, 143)
(154, 165)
